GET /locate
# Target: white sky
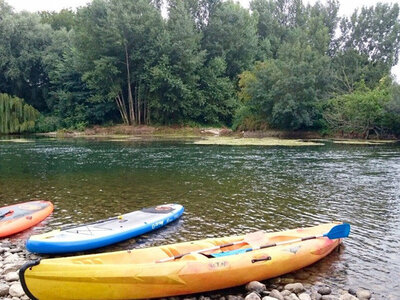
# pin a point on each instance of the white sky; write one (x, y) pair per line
(346, 8)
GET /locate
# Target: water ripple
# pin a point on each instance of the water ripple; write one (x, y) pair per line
(225, 190)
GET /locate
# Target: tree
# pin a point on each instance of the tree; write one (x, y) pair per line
(58, 20)
(373, 32)
(286, 91)
(218, 92)
(275, 19)
(118, 43)
(201, 10)
(176, 76)
(231, 33)
(351, 67)
(15, 115)
(24, 41)
(359, 112)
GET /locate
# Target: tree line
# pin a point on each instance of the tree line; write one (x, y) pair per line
(279, 64)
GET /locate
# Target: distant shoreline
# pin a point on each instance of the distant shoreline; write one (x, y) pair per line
(215, 136)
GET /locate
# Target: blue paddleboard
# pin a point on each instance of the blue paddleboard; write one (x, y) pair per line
(104, 232)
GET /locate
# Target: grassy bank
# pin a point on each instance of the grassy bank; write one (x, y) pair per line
(211, 136)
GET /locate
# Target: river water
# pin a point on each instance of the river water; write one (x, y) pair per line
(225, 190)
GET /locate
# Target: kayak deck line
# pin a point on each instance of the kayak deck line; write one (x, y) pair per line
(136, 274)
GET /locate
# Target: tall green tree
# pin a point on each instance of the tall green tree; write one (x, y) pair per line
(351, 67)
(24, 43)
(231, 34)
(58, 20)
(176, 77)
(219, 93)
(201, 10)
(374, 32)
(275, 19)
(118, 43)
(15, 115)
(286, 91)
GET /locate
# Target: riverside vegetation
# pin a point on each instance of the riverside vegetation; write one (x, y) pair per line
(280, 64)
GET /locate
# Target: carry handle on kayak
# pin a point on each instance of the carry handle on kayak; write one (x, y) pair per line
(6, 213)
(336, 232)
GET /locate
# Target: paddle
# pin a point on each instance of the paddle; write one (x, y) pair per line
(336, 232)
(6, 213)
(253, 239)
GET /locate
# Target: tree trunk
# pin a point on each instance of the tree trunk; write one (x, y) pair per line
(122, 109)
(130, 98)
(136, 102)
(144, 111)
(148, 114)
(377, 133)
(139, 110)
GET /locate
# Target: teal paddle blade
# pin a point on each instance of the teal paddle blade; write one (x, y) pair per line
(339, 231)
(232, 252)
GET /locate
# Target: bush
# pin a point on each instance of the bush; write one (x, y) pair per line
(47, 124)
(246, 119)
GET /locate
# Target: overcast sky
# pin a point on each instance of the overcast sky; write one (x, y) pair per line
(346, 8)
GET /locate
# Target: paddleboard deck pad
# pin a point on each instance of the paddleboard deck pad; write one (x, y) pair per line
(18, 217)
(105, 232)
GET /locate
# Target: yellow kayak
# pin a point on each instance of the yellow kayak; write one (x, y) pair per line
(182, 268)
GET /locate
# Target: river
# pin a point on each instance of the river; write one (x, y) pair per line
(225, 190)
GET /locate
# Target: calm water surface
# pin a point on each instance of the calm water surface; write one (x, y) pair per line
(225, 190)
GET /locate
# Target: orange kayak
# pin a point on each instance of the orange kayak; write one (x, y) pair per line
(158, 272)
(18, 217)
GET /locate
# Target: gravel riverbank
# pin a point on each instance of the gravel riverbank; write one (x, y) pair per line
(14, 255)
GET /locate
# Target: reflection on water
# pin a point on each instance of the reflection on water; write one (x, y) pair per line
(225, 190)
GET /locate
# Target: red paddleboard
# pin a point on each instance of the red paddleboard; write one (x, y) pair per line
(18, 217)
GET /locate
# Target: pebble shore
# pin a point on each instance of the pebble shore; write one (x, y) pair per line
(13, 255)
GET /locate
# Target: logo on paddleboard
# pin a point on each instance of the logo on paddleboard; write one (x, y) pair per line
(157, 224)
(163, 207)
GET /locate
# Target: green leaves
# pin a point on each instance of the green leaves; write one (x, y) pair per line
(231, 33)
(359, 112)
(275, 65)
(15, 115)
(374, 32)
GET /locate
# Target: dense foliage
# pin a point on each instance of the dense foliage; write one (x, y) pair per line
(15, 115)
(280, 64)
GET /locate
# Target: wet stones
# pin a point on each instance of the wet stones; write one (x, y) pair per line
(255, 286)
(11, 259)
(304, 296)
(12, 276)
(324, 290)
(347, 296)
(4, 289)
(316, 296)
(363, 294)
(16, 290)
(295, 287)
(329, 297)
(252, 296)
(276, 294)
